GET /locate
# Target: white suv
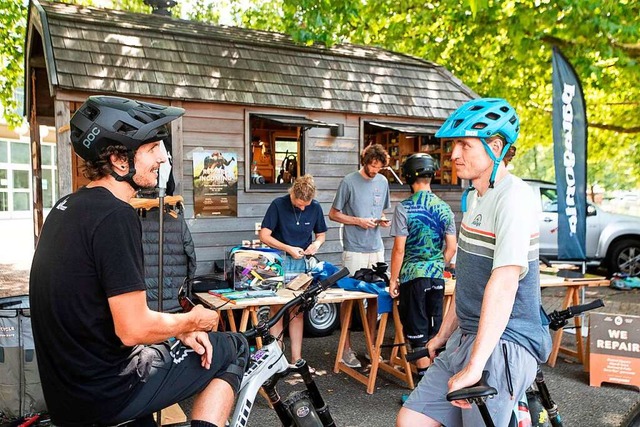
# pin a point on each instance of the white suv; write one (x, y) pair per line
(613, 240)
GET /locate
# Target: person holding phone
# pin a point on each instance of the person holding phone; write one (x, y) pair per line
(359, 204)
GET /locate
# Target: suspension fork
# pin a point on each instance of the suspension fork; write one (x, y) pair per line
(547, 401)
(322, 409)
(276, 401)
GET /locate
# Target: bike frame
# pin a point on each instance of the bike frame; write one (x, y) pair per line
(264, 364)
(269, 364)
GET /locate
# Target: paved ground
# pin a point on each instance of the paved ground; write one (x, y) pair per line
(581, 405)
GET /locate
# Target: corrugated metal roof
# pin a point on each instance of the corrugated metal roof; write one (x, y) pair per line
(100, 50)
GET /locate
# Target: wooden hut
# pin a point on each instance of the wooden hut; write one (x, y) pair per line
(277, 108)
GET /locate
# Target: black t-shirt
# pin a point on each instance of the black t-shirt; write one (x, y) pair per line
(90, 249)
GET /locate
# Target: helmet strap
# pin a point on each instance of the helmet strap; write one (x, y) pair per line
(496, 160)
(463, 202)
(128, 178)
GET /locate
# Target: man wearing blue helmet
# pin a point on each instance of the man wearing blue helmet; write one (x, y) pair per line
(494, 323)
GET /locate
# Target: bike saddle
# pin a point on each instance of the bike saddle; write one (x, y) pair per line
(481, 390)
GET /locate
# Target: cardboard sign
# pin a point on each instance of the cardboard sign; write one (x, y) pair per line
(614, 349)
(300, 282)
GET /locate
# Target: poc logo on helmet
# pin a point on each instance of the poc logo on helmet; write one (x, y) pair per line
(91, 137)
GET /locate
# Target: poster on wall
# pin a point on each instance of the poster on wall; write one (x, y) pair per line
(215, 184)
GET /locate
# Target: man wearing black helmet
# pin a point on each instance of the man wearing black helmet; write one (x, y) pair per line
(424, 234)
(103, 355)
(494, 322)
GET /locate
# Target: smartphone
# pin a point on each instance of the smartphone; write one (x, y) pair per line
(382, 221)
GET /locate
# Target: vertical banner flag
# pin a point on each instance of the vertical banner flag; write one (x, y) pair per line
(570, 157)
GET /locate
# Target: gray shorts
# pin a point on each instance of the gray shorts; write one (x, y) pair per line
(429, 397)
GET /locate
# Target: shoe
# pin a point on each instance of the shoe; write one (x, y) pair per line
(349, 358)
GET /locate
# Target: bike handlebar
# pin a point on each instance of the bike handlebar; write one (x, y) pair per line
(307, 296)
(417, 354)
(420, 353)
(558, 319)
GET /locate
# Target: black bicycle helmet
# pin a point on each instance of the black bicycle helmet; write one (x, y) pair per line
(103, 121)
(419, 165)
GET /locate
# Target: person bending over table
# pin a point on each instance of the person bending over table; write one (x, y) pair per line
(289, 225)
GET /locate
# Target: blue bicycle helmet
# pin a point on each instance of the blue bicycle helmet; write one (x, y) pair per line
(483, 118)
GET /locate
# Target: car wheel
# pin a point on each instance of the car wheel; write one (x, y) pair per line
(625, 257)
(322, 319)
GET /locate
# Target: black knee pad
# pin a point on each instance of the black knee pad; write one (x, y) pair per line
(235, 371)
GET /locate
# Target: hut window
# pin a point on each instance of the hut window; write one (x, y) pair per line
(403, 139)
(276, 155)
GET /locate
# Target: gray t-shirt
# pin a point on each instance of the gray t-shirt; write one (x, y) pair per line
(364, 198)
(501, 229)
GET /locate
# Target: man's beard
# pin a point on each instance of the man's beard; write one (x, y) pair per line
(368, 172)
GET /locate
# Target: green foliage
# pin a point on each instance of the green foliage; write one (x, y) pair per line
(498, 48)
(13, 20)
(503, 49)
(199, 10)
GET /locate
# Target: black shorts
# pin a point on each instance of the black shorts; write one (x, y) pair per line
(174, 374)
(420, 309)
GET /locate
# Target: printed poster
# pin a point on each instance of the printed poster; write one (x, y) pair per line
(215, 184)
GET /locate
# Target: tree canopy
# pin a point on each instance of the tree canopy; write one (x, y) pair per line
(498, 48)
(503, 49)
(13, 20)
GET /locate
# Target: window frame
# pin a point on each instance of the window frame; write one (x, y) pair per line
(293, 125)
(420, 130)
(10, 190)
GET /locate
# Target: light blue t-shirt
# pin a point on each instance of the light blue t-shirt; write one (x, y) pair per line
(364, 198)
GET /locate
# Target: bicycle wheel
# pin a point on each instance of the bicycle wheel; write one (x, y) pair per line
(539, 415)
(632, 419)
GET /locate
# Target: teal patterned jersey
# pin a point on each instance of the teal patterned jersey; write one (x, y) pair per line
(425, 219)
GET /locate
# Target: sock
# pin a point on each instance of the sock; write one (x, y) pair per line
(199, 423)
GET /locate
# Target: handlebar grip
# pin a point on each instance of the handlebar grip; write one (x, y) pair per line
(328, 281)
(577, 309)
(417, 354)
